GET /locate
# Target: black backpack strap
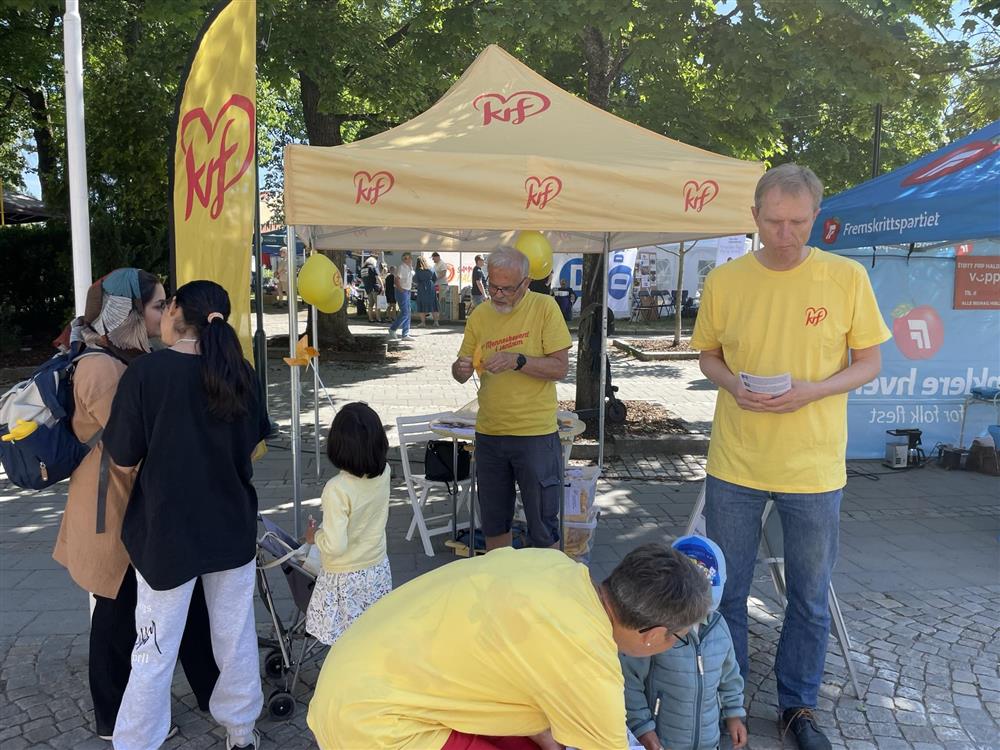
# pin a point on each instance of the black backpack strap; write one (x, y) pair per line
(102, 491)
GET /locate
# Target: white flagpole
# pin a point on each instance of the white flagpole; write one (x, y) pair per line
(79, 210)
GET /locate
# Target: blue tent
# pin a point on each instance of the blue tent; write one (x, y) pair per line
(952, 194)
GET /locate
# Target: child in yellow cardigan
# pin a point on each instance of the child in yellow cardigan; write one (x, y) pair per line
(351, 540)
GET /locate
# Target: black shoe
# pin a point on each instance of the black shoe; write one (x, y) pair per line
(801, 724)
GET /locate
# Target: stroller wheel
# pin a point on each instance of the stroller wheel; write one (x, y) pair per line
(274, 664)
(281, 705)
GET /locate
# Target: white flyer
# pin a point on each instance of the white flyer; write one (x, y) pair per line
(771, 385)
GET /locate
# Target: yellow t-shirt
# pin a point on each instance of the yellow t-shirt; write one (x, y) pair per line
(355, 512)
(512, 403)
(801, 321)
(507, 644)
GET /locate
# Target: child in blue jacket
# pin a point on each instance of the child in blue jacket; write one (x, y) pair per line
(674, 700)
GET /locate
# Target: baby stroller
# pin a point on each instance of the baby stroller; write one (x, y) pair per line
(290, 645)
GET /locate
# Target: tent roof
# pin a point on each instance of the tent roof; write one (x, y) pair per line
(23, 209)
(503, 150)
(952, 194)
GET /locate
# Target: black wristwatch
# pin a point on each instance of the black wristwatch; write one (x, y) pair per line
(521, 362)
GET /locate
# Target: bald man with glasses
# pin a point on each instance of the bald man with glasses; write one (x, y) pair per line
(523, 344)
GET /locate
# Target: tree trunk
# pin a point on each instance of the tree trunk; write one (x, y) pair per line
(323, 129)
(588, 377)
(679, 293)
(604, 66)
(48, 164)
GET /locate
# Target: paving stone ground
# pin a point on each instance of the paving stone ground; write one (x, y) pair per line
(918, 578)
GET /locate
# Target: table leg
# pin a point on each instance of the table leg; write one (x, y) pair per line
(454, 498)
(472, 505)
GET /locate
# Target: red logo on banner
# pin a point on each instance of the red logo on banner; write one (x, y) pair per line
(918, 331)
(815, 315)
(371, 187)
(957, 159)
(541, 191)
(831, 230)
(514, 109)
(698, 195)
(227, 155)
(964, 249)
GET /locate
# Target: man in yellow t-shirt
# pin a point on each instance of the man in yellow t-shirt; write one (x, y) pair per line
(786, 309)
(509, 644)
(523, 343)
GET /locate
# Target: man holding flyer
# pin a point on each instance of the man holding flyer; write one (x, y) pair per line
(785, 333)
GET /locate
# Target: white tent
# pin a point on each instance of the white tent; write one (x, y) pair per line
(505, 150)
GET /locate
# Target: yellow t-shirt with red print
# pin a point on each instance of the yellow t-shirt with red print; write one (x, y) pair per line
(804, 322)
(513, 403)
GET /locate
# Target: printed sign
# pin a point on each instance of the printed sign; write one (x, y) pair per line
(977, 283)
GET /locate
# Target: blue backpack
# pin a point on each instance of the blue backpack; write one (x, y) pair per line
(49, 453)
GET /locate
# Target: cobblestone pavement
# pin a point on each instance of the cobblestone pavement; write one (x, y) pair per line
(917, 580)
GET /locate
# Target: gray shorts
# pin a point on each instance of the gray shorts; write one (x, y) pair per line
(535, 464)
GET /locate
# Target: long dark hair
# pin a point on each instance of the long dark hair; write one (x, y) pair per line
(147, 286)
(357, 443)
(225, 375)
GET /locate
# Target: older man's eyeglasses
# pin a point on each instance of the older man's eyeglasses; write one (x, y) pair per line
(505, 290)
(682, 639)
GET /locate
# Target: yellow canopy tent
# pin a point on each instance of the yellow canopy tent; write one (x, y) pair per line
(504, 150)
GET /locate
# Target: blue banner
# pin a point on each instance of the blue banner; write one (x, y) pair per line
(937, 354)
(949, 194)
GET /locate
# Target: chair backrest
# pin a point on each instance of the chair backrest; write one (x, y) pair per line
(415, 431)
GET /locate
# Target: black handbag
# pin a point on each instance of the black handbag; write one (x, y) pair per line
(439, 463)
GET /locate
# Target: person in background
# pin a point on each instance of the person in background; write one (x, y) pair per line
(426, 280)
(373, 288)
(440, 269)
(391, 309)
(485, 653)
(565, 298)
(190, 416)
(676, 698)
(479, 293)
(281, 277)
(404, 284)
(542, 286)
(122, 313)
(351, 540)
(785, 309)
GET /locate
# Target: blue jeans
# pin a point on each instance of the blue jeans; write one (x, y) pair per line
(403, 319)
(811, 531)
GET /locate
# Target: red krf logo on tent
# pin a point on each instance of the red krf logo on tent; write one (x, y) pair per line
(541, 190)
(514, 109)
(697, 195)
(222, 162)
(371, 187)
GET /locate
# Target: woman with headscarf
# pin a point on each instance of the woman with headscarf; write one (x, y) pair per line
(123, 310)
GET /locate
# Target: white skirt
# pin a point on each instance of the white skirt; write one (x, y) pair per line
(339, 599)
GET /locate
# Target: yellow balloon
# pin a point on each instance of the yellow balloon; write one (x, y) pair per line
(320, 284)
(538, 251)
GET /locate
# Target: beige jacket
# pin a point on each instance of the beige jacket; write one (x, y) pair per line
(96, 562)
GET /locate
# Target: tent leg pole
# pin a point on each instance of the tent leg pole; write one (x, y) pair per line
(604, 351)
(315, 369)
(293, 330)
(755, 245)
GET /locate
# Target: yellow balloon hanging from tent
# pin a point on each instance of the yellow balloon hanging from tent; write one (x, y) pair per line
(538, 251)
(320, 284)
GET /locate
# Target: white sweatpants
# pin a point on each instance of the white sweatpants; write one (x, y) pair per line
(144, 717)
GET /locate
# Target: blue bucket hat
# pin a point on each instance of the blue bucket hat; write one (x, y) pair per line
(709, 556)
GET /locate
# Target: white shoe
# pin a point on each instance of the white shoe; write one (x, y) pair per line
(253, 745)
(408, 337)
(173, 731)
(395, 334)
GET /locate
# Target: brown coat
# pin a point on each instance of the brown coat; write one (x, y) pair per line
(96, 562)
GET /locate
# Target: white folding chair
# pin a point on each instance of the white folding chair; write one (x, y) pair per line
(414, 432)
